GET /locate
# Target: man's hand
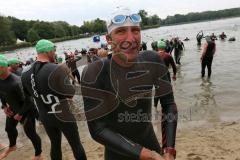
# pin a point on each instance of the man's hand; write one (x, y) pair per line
(147, 154)
(8, 111)
(168, 156)
(174, 77)
(18, 117)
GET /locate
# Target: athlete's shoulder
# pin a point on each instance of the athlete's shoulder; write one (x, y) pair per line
(149, 56)
(15, 80)
(93, 70)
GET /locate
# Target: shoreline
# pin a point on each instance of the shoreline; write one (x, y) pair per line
(212, 141)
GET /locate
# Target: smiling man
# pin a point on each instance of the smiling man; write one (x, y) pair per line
(117, 96)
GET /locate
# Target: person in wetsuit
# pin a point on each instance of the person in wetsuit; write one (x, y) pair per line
(18, 108)
(49, 85)
(13, 64)
(143, 46)
(92, 55)
(168, 60)
(213, 37)
(209, 49)
(178, 50)
(154, 46)
(117, 95)
(72, 64)
(199, 38)
(222, 36)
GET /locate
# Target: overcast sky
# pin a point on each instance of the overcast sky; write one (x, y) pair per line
(76, 11)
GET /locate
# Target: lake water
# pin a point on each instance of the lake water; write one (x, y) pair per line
(198, 100)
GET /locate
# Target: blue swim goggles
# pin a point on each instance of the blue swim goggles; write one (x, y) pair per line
(120, 19)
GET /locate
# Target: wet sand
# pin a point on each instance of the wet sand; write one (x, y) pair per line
(218, 141)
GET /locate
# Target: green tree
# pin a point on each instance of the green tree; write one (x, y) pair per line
(7, 37)
(44, 29)
(65, 26)
(99, 26)
(144, 17)
(74, 30)
(19, 27)
(32, 36)
(59, 30)
(155, 20)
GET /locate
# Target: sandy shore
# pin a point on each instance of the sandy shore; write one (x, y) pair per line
(219, 141)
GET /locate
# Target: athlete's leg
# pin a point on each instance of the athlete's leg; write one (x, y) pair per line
(11, 130)
(78, 76)
(30, 130)
(209, 66)
(12, 133)
(204, 64)
(55, 137)
(70, 131)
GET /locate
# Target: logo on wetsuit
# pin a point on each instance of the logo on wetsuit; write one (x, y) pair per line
(48, 100)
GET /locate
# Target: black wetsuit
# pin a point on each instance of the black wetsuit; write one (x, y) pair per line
(111, 108)
(73, 66)
(208, 58)
(199, 38)
(18, 72)
(49, 85)
(144, 46)
(178, 48)
(167, 58)
(11, 93)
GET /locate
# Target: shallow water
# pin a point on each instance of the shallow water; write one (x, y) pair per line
(199, 100)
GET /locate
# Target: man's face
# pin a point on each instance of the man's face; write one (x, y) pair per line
(14, 66)
(125, 41)
(3, 71)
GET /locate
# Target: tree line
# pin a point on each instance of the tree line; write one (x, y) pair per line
(12, 28)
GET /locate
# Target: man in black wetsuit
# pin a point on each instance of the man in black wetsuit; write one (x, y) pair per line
(72, 64)
(14, 67)
(168, 60)
(117, 96)
(199, 38)
(18, 108)
(178, 50)
(50, 87)
(209, 49)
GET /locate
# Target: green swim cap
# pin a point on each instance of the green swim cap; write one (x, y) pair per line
(3, 61)
(44, 46)
(2, 56)
(13, 61)
(59, 59)
(161, 45)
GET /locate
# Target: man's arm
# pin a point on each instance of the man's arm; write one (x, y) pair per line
(169, 116)
(174, 68)
(25, 98)
(4, 102)
(214, 49)
(113, 140)
(204, 50)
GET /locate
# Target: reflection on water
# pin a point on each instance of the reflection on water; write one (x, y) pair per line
(205, 105)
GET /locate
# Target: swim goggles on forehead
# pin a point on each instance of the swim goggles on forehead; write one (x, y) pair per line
(120, 19)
